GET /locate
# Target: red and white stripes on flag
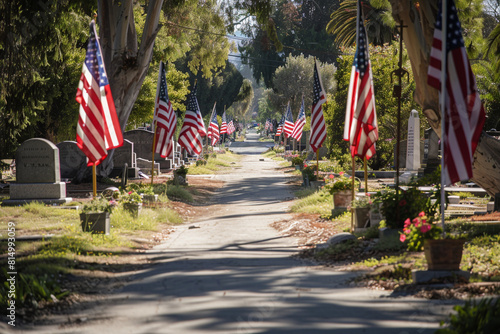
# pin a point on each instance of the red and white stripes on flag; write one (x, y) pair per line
(193, 127)
(223, 126)
(361, 129)
(230, 127)
(213, 128)
(279, 130)
(464, 113)
(288, 126)
(299, 123)
(164, 117)
(318, 127)
(98, 128)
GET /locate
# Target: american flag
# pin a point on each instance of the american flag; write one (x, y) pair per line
(464, 113)
(164, 117)
(361, 129)
(223, 126)
(279, 129)
(288, 126)
(230, 127)
(318, 128)
(98, 128)
(193, 128)
(213, 128)
(299, 123)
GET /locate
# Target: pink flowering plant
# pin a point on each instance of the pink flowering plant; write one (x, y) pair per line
(341, 182)
(417, 230)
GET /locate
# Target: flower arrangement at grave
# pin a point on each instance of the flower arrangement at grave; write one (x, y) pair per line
(417, 230)
(131, 197)
(361, 202)
(310, 171)
(98, 205)
(396, 208)
(339, 183)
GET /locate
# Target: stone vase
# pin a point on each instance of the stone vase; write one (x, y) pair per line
(97, 223)
(443, 254)
(150, 198)
(133, 208)
(361, 216)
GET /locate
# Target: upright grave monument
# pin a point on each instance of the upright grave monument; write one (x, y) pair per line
(38, 176)
(143, 143)
(412, 148)
(71, 159)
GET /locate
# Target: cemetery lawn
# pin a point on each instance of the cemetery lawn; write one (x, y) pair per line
(60, 262)
(386, 264)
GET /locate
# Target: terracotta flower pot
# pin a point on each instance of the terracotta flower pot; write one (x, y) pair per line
(443, 254)
(342, 199)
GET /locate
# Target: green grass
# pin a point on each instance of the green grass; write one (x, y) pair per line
(215, 164)
(313, 201)
(179, 193)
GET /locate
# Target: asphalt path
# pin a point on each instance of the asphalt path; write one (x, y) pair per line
(232, 273)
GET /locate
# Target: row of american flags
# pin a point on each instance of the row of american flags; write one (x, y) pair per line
(98, 128)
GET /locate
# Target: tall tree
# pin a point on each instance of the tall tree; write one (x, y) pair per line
(300, 29)
(41, 55)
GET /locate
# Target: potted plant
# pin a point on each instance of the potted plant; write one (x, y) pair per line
(94, 216)
(408, 203)
(309, 174)
(340, 187)
(148, 194)
(441, 252)
(360, 206)
(132, 202)
(180, 175)
(298, 162)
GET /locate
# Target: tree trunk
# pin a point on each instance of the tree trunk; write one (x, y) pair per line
(126, 63)
(417, 36)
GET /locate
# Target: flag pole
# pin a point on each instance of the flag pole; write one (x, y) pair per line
(153, 158)
(353, 191)
(366, 174)
(155, 122)
(442, 102)
(94, 181)
(317, 163)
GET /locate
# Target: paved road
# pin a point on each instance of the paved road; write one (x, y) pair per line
(234, 274)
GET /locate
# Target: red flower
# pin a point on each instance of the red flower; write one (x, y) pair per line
(421, 214)
(407, 230)
(341, 173)
(331, 176)
(425, 228)
(407, 222)
(402, 237)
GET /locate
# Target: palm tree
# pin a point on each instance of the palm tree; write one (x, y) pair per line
(378, 22)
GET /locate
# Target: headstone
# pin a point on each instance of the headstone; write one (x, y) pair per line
(71, 158)
(336, 239)
(124, 155)
(413, 142)
(143, 144)
(431, 151)
(38, 176)
(145, 166)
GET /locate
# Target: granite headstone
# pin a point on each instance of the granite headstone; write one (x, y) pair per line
(71, 158)
(38, 175)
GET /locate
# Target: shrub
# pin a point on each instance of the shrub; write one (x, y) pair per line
(474, 318)
(407, 204)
